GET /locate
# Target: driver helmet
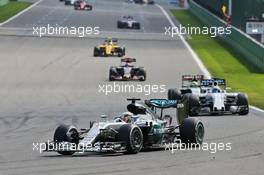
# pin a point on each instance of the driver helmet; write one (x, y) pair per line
(215, 84)
(127, 117)
(194, 83)
(215, 90)
(128, 64)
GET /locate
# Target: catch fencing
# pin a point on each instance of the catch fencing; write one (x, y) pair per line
(252, 51)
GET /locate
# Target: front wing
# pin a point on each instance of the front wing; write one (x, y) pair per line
(124, 78)
(100, 147)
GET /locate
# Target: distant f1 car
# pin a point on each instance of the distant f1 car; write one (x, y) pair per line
(127, 71)
(141, 1)
(205, 97)
(82, 5)
(141, 127)
(109, 48)
(69, 2)
(128, 22)
(151, 2)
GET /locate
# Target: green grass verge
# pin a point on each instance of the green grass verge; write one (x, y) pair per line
(11, 9)
(223, 61)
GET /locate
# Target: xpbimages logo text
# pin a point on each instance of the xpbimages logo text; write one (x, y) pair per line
(79, 31)
(121, 87)
(212, 147)
(197, 30)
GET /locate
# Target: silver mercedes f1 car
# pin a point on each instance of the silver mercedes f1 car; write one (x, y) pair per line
(141, 127)
(209, 97)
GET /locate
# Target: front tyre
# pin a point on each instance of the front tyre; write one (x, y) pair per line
(124, 51)
(132, 136)
(242, 102)
(66, 133)
(97, 52)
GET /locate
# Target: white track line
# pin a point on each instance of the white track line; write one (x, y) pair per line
(256, 109)
(194, 55)
(20, 13)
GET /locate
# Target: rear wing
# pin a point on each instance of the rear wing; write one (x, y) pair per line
(128, 60)
(213, 82)
(114, 40)
(161, 103)
(187, 79)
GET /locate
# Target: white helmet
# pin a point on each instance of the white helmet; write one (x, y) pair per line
(127, 113)
(126, 116)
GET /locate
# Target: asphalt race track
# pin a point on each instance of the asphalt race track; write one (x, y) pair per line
(48, 81)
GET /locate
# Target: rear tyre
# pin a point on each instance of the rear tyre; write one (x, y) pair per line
(142, 72)
(123, 51)
(136, 26)
(119, 25)
(174, 94)
(192, 104)
(242, 101)
(192, 131)
(132, 136)
(120, 53)
(96, 52)
(66, 133)
(110, 75)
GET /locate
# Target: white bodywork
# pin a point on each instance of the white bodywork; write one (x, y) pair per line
(95, 130)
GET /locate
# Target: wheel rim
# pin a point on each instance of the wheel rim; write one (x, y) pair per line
(73, 136)
(136, 139)
(199, 133)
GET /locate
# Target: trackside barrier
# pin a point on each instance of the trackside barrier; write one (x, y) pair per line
(252, 51)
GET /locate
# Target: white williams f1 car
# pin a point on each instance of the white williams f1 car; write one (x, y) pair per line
(205, 97)
(69, 2)
(141, 127)
(128, 22)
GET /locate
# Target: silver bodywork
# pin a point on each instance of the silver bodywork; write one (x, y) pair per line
(90, 138)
